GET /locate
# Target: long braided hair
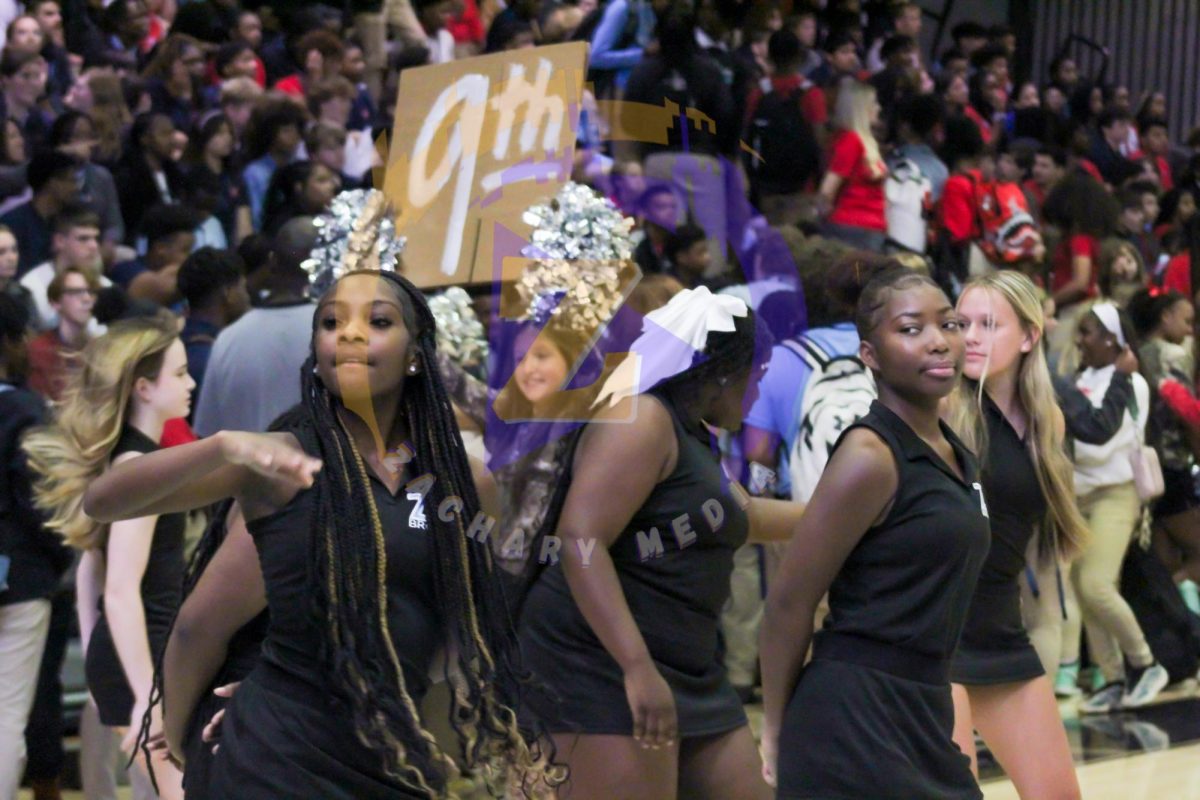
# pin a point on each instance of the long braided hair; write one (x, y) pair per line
(347, 581)
(347, 578)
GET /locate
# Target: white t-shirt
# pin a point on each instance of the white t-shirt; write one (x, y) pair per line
(253, 373)
(1099, 465)
(210, 234)
(441, 47)
(361, 154)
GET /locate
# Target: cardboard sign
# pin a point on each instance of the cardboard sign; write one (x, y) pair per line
(475, 143)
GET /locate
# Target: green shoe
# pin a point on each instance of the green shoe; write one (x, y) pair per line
(1066, 682)
(1191, 595)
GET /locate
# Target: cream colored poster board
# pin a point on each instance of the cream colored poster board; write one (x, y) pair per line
(476, 142)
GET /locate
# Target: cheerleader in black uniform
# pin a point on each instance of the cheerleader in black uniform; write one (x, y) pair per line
(624, 627)
(132, 380)
(1006, 412)
(366, 569)
(896, 532)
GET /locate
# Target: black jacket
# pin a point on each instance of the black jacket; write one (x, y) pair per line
(1085, 422)
(138, 191)
(38, 558)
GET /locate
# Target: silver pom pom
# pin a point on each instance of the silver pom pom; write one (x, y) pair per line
(460, 334)
(578, 224)
(357, 232)
(582, 246)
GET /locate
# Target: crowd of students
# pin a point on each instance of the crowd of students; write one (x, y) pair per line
(923, 237)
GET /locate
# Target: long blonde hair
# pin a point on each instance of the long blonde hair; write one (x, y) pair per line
(1064, 531)
(852, 112)
(74, 450)
(110, 114)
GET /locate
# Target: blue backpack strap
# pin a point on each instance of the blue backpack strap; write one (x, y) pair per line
(1033, 586)
(1033, 583)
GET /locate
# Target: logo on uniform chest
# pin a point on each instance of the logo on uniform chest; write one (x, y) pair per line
(982, 502)
(416, 517)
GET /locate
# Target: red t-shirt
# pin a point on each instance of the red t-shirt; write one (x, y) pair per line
(812, 101)
(958, 211)
(859, 203)
(292, 84)
(177, 431)
(1078, 245)
(467, 27)
(1178, 276)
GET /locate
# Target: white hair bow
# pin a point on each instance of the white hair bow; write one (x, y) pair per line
(671, 338)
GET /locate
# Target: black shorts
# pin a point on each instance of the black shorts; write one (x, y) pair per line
(106, 679)
(1015, 663)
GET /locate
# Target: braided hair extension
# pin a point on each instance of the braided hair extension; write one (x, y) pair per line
(347, 575)
(207, 547)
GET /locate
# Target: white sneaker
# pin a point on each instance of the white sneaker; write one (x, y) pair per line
(1103, 700)
(1154, 679)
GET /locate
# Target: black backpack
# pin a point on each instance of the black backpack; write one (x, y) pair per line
(1171, 629)
(785, 140)
(675, 86)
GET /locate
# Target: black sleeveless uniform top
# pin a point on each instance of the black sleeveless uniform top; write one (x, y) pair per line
(909, 580)
(162, 592)
(995, 647)
(872, 715)
(674, 560)
(284, 737)
(293, 635)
